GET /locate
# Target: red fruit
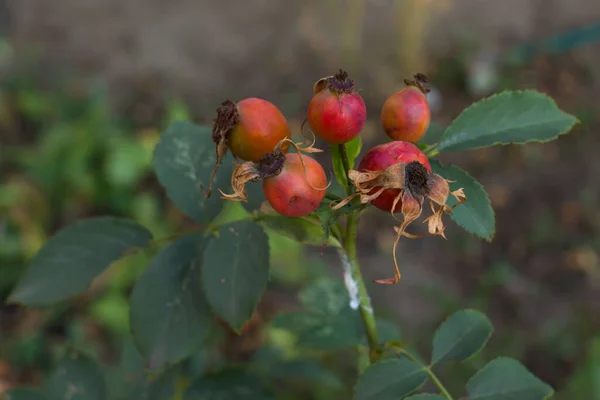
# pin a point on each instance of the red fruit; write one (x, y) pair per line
(405, 115)
(384, 155)
(260, 127)
(336, 113)
(292, 194)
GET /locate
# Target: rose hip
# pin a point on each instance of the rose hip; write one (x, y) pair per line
(405, 115)
(293, 194)
(384, 155)
(250, 129)
(261, 126)
(336, 113)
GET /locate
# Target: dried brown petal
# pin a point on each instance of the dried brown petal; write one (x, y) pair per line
(227, 118)
(271, 164)
(411, 210)
(306, 149)
(459, 195)
(439, 189)
(242, 174)
(389, 178)
(435, 226)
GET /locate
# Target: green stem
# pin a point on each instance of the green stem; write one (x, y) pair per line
(353, 276)
(431, 374)
(439, 384)
(432, 151)
(356, 284)
(346, 164)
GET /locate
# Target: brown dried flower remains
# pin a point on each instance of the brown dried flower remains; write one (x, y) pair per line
(338, 83)
(270, 165)
(416, 184)
(227, 118)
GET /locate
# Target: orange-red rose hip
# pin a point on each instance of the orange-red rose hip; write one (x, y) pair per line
(291, 193)
(405, 115)
(261, 126)
(384, 155)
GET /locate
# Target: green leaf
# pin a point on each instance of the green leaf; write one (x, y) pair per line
(256, 196)
(433, 135)
(390, 379)
(71, 259)
(77, 377)
(322, 332)
(169, 313)
(507, 379)
(329, 217)
(184, 159)
(328, 322)
(388, 331)
(353, 149)
(476, 214)
(509, 117)
(235, 271)
(461, 336)
(426, 396)
(228, 385)
(326, 295)
(309, 371)
(25, 394)
(301, 229)
(131, 381)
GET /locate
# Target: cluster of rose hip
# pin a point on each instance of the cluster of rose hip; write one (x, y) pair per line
(395, 177)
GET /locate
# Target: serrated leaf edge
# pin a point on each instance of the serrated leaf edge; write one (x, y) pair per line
(477, 183)
(575, 121)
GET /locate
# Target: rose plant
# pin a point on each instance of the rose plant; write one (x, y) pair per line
(218, 273)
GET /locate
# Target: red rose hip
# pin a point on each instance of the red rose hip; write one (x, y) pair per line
(384, 155)
(336, 113)
(405, 115)
(293, 194)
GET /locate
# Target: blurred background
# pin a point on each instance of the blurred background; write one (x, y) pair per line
(88, 85)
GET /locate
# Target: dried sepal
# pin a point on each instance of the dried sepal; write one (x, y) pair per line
(419, 80)
(305, 149)
(411, 210)
(242, 174)
(270, 165)
(459, 195)
(367, 181)
(338, 83)
(435, 225)
(416, 184)
(438, 189)
(227, 118)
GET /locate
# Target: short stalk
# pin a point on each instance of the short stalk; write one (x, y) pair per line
(439, 384)
(346, 164)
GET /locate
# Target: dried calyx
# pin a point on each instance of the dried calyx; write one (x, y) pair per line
(227, 118)
(338, 83)
(416, 184)
(270, 165)
(420, 81)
